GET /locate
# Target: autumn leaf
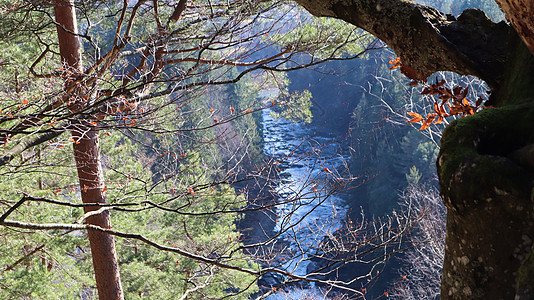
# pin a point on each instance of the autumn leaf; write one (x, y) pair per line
(444, 97)
(463, 94)
(455, 110)
(409, 72)
(424, 126)
(395, 61)
(470, 111)
(415, 117)
(428, 121)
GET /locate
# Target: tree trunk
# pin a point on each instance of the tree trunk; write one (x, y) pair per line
(87, 156)
(520, 14)
(486, 172)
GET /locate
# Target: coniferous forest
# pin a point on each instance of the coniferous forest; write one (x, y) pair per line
(256, 149)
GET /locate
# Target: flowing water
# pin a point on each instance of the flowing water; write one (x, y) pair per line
(309, 165)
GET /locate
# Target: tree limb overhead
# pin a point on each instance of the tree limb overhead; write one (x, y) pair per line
(424, 38)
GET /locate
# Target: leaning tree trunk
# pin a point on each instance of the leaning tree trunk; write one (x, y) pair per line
(87, 156)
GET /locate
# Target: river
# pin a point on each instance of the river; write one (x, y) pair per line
(310, 165)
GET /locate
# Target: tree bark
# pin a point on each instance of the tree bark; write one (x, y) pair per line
(487, 182)
(520, 14)
(87, 157)
(425, 39)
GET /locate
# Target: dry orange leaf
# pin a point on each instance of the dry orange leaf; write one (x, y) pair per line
(395, 61)
(428, 121)
(415, 117)
(424, 126)
(409, 72)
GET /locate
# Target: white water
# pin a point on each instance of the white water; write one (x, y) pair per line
(309, 214)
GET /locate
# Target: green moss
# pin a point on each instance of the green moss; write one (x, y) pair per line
(453, 150)
(480, 145)
(525, 275)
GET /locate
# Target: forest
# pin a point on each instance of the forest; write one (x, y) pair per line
(256, 149)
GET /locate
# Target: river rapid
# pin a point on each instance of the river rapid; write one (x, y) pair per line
(311, 164)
